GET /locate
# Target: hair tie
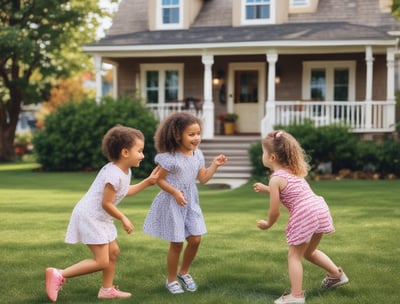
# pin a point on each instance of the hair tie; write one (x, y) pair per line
(278, 134)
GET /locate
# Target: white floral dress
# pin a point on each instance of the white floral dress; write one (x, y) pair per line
(90, 223)
(166, 219)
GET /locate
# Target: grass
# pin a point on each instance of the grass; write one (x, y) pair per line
(236, 263)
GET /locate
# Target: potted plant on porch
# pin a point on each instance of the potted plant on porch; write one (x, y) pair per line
(228, 119)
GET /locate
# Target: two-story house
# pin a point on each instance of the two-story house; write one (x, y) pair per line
(270, 61)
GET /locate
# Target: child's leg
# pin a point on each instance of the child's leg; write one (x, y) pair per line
(109, 271)
(173, 260)
(99, 262)
(319, 258)
(190, 253)
(295, 266)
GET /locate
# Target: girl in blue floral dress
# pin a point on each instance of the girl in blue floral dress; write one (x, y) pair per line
(175, 214)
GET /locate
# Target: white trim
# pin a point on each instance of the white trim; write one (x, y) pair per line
(161, 68)
(239, 46)
(329, 66)
(173, 26)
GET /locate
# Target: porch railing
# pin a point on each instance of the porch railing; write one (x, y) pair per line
(161, 111)
(359, 116)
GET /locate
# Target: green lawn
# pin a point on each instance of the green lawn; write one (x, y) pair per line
(237, 263)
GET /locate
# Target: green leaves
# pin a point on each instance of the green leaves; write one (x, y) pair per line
(72, 136)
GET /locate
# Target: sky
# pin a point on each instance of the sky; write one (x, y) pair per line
(106, 22)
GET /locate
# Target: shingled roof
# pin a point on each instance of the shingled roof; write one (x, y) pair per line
(334, 20)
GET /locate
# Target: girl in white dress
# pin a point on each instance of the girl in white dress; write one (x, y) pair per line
(175, 214)
(91, 221)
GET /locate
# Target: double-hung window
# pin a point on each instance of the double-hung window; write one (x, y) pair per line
(169, 14)
(258, 11)
(329, 81)
(161, 83)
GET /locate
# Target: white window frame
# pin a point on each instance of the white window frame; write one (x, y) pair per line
(169, 26)
(161, 68)
(329, 67)
(270, 20)
(299, 3)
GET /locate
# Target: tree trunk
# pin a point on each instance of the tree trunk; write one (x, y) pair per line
(9, 115)
(6, 145)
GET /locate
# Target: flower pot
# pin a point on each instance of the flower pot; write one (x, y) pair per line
(229, 128)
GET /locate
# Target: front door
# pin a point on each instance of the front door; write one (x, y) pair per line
(246, 95)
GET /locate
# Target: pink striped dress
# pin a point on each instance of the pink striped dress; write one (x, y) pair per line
(308, 212)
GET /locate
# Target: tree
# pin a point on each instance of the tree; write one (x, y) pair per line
(396, 8)
(40, 41)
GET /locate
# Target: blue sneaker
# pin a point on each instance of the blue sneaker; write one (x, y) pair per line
(187, 282)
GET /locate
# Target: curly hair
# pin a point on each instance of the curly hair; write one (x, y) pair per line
(168, 134)
(117, 138)
(288, 152)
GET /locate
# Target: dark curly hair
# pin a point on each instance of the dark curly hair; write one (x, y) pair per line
(118, 138)
(169, 132)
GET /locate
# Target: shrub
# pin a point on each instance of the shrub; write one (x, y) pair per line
(336, 144)
(331, 143)
(367, 156)
(389, 157)
(259, 171)
(71, 139)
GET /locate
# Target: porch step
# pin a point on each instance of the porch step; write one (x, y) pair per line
(236, 148)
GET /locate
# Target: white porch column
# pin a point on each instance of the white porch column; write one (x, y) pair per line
(390, 88)
(369, 60)
(99, 79)
(208, 105)
(268, 122)
(390, 61)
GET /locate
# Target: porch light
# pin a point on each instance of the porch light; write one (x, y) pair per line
(218, 77)
(215, 81)
(278, 76)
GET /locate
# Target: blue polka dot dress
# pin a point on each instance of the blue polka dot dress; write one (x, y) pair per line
(166, 219)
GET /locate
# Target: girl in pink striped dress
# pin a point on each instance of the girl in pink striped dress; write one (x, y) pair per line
(309, 215)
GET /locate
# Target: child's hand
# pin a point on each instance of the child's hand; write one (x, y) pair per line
(260, 187)
(263, 225)
(128, 226)
(153, 177)
(180, 198)
(220, 160)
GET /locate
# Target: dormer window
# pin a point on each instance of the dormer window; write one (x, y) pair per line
(299, 3)
(258, 11)
(169, 14)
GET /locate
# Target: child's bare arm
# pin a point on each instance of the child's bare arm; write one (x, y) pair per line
(149, 181)
(261, 188)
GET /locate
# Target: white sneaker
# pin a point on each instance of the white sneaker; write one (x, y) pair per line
(174, 287)
(289, 298)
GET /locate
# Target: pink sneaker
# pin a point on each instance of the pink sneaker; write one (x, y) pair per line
(113, 293)
(54, 281)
